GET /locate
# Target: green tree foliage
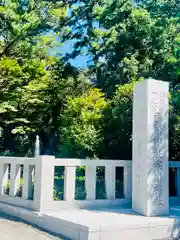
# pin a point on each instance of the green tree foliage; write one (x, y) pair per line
(27, 31)
(175, 124)
(34, 85)
(118, 129)
(82, 125)
(127, 41)
(163, 8)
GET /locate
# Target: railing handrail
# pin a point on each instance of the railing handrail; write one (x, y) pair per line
(79, 162)
(84, 162)
(17, 160)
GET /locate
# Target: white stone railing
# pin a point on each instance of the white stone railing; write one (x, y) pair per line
(10, 176)
(39, 174)
(90, 181)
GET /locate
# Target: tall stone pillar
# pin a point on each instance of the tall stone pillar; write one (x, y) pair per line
(150, 193)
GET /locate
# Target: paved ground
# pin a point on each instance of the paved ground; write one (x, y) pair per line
(14, 229)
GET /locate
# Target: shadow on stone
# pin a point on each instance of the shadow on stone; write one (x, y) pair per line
(52, 236)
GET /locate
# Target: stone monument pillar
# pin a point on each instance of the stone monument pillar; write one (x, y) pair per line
(150, 177)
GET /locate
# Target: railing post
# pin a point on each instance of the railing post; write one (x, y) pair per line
(3, 177)
(15, 175)
(128, 182)
(69, 183)
(44, 183)
(110, 182)
(90, 181)
(27, 181)
(178, 182)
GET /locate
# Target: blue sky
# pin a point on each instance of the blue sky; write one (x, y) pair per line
(80, 61)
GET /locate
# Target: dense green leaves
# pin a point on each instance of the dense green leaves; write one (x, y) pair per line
(127, 41)
(34, 85)
(118, 128)
(82, 125)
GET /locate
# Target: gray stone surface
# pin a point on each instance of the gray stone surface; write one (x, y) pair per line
(150, 176)
(12, 228)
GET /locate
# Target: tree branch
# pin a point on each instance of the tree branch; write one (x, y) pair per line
(8, 46)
